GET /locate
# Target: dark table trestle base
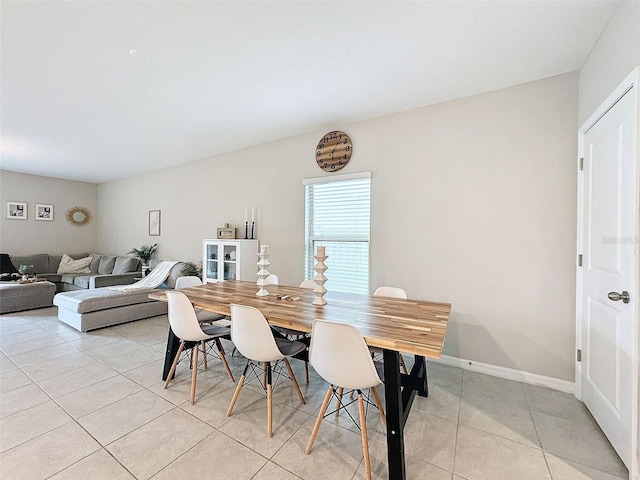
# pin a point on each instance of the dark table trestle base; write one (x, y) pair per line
(400, 390)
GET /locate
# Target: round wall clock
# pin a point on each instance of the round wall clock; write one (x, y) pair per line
(333, 151)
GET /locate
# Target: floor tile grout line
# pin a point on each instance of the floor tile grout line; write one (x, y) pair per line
(455, 443)
(535, 428)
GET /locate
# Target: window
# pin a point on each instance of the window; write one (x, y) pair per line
(337, 216)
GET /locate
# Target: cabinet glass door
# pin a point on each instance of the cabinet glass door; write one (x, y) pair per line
(212, 262)
(230, 262)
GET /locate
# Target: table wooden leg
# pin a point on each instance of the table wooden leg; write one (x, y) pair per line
(395, 414)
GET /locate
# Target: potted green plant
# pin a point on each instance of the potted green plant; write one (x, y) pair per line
(22, 270)
(190, 269)
(145, 253)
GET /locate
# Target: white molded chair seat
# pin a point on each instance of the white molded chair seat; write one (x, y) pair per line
(186, 327)
(203, 315)
(254, 339)
(340, 355)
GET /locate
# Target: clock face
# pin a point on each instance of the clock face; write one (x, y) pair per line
(333, 151)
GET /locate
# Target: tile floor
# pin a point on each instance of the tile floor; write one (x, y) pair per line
(77, 406)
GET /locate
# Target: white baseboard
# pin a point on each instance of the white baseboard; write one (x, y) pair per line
(508, 373)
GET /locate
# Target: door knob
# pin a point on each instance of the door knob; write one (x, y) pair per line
(615, 296)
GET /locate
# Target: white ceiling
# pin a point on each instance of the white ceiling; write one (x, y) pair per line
(211, 77)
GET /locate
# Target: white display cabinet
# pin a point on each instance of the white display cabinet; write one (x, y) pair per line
(229, 260)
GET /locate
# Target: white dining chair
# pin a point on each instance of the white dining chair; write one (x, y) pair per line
(203, 316)
(254, 340)
(186, 327)
(392, 292)
(340, 355)
(292, 334)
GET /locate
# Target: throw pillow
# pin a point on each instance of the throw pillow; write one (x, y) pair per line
(106, 264)
(95, 262)
(125, 265)
(69, 265)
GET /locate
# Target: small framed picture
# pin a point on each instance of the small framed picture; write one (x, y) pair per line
(17, 210)
(154, 223)
(44, 212)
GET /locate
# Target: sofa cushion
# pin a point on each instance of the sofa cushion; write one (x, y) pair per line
(106, 264)
(68, 278)
(54, 263)
(95, 262)
(38, 263)
(82, 281)
(125, 265)
(69, 265)
(51, 277)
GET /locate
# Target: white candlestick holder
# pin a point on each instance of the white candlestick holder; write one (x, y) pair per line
(263, 273)
(320, 280)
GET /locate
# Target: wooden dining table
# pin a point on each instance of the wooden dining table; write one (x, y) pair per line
(409, 326)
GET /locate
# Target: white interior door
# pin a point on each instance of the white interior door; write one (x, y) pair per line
(607, 297)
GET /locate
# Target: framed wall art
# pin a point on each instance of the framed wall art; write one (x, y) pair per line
(44, 212)
(154, 223)
(16, 210)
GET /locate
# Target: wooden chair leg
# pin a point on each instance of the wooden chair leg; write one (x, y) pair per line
(204, 352)
(194, 373)
(295, 382)
(237, 392)
(224, 359)
(174, 365)
(269, 402)
(316, 427)
(365, 441)
(376, 397)
(306, 371)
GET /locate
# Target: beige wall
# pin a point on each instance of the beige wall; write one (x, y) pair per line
(616, 53)
(23, 237)
(473, 203)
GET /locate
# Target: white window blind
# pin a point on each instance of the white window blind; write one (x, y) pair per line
(337, 215)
